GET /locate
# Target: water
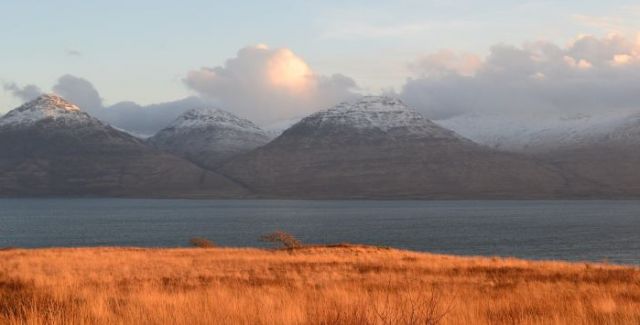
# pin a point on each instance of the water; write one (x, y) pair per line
(568, 230)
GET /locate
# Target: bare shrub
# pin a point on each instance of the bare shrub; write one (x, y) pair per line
(411, 308)
(201, 242)
(285, 239)
(337, 313)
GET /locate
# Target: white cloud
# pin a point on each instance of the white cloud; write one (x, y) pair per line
(580, 64)
(620, 20)
(622, 59)
(261, 84)
(605, 23)
(590, 74)
(268, 85)
(444, 62)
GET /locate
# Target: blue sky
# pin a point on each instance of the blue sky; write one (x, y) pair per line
(142, 50)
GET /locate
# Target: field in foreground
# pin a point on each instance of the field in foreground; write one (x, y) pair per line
(321, 285)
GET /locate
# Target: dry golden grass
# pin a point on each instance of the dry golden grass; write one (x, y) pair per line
(318, 285)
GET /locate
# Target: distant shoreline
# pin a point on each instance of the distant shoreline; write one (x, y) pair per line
(274, 198)
(308, 247)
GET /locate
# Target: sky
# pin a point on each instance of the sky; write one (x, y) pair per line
(272, 60)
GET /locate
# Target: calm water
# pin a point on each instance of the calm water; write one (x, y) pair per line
(570, 230)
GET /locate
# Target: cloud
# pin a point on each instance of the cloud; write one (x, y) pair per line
(25, 93)
(79, 91)
(619, 20)
(268, 85)
(149, 119)
(138, 119)
(589, 75)
(445, 62)
(72, 52)
(143, 120)
(261, 84)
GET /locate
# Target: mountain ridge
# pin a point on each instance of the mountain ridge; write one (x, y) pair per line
(377, 147)
(209, 136)
(374, 147)
(70, 153)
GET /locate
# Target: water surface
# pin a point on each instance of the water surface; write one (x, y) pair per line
(569, 230)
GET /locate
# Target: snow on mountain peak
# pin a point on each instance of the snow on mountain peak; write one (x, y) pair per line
(373, 104)
(48, 106)
(537, 134)
(49, 102)
(378, 112)
(212, 117)
(209, 136)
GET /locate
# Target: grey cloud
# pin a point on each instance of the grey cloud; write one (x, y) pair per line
(79, 91)
(129, 116)
(25, 93)
(149, 119)
(591, 75)
(334, 89)
(72, 52)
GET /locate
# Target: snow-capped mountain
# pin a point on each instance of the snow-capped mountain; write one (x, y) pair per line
(47, 108)
(375, 147)
(209, 136)
(379, 147)
(623, 131)
(601, 149)
(50, 147)
(381, 115)
(536, 134)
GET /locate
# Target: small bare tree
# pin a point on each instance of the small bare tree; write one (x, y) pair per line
(201, 242)
(280, 237)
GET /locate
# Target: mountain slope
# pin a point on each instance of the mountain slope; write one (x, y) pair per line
(209, 136)
(609, 158)
(50, 147)
(379, 148)
(603, 150)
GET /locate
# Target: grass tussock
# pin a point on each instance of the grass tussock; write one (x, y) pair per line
(309, 285)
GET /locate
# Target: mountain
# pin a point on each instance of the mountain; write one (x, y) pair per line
(601, 149)
(209, 136)
(275, 129)
(51, 148)
(378, 147)
(609, 157)
(536, 134)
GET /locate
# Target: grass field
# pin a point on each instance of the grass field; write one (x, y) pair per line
(315, 285)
